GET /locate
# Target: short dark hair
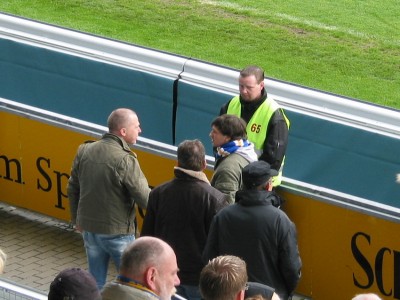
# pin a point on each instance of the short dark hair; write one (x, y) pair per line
(231, 125)
(253, 70)
(191, 155)
(223, 278)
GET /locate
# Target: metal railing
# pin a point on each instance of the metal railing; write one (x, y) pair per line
(12, 291)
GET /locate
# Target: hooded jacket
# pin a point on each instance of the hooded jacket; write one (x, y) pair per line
(263, 236)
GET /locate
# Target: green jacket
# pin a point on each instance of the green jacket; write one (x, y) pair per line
(227, 176)
(105, 183)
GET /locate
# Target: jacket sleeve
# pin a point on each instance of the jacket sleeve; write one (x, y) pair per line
(211, 248)
(226, 180)
(224, 108)
(276, 141)
(148, 228)
(289, 259)
(135, 182)
(73, 186)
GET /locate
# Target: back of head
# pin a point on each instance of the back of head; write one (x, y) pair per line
(231, 125)
(223, 278)
(191, 155)
(74, 284)
(139, 255)
(118, 119)
(368, 296)
(253, 70)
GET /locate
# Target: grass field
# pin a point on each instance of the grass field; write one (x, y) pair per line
(351, 48)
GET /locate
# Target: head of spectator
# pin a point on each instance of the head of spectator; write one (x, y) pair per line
(368, 296)
(191, 155)
(259, 291)
(251, 83)
(74, 284)
(3, 258)
(227, 128)
(256, 297)
(124, 123)
(152, 263)
(224, 278)
(258, 175)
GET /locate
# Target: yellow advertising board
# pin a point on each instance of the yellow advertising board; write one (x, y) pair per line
(344, 251)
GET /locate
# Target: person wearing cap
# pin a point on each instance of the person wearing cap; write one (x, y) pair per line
(259, 291)
(149, 271)
(258, 232)
(267, 124)
(233, 153)
(74, 284)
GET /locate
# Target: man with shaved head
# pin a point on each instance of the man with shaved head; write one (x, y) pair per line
(105, 184)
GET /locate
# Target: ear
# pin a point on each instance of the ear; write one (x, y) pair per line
(150, 276)
(204, 164)
(269, 186)
(240, 295)
(122, 131)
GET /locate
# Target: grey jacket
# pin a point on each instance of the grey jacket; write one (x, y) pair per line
(105, 183)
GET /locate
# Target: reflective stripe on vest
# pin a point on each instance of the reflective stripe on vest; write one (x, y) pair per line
(256, 132)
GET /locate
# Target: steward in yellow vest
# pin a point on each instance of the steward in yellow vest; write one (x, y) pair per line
(267, 124)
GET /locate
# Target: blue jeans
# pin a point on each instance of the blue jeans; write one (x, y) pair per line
(100, 248)
(189, 292)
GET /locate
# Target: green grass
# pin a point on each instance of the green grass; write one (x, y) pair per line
(347, 47)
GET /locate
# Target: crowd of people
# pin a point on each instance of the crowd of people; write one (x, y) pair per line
(220, 239)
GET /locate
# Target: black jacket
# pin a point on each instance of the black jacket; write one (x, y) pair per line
(263, 236)
(180, 212)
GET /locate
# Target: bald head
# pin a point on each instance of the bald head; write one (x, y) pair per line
(151, 262)
(369, 296)
(124, 123)
(143, 253)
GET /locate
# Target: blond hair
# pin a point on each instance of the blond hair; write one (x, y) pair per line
(223, 278)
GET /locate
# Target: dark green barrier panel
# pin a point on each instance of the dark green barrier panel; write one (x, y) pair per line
(197, 108)
(84, 89)
(344, 159)
(320, 152)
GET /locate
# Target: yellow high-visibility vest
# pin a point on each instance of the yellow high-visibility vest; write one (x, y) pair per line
(258, 125)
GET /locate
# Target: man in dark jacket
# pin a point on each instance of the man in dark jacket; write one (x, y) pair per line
(258, 232)
(180, 212)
